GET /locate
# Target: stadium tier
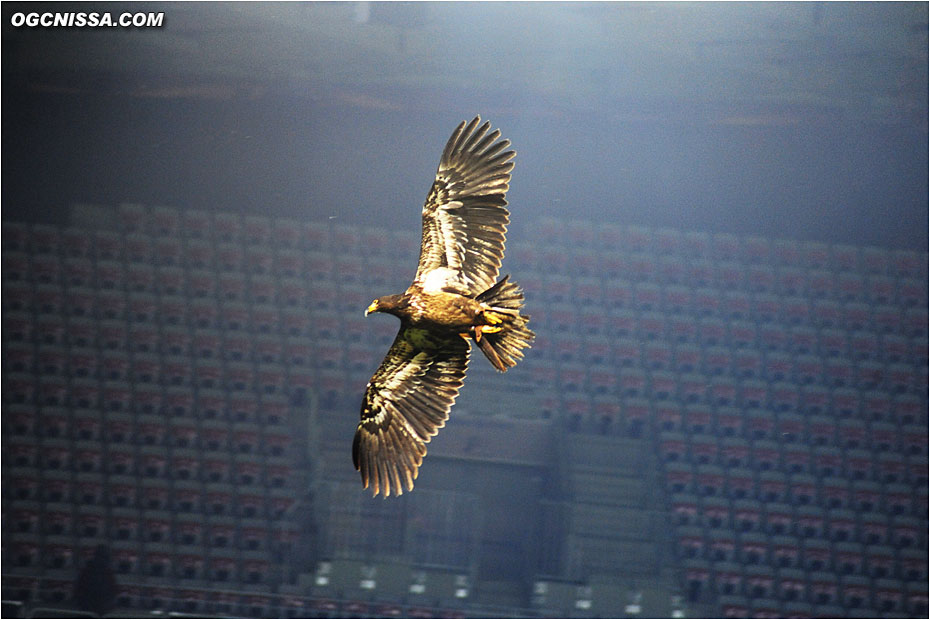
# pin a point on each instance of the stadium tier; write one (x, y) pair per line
(707, 425)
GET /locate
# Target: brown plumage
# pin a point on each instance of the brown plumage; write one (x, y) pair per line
(455, 298)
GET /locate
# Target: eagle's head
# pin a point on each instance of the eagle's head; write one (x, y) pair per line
(389, 304)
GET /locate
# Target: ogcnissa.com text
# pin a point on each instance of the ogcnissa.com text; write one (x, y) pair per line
(88, 20)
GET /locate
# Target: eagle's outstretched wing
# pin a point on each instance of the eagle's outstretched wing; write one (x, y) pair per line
(465, 217)
(406, 403)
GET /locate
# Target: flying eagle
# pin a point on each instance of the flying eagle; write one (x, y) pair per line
(455, 299)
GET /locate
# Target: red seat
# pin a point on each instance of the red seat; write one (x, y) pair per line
(84, 394)
(739, 484)
(730, 276)
(682, 330)
(259, 260)
(699, 273)
(784, 397)
(773, 337)
(89, 461)
(722, 392)
(264, 320)
(647, 297)
(686, 359)
(51, 361)
(276, 444)
(802, 340)
(855, 316)
(602, 381)
(790, 281)
(888, 320)
(664, 386)
(747, 516)
(756, 250)
(734, 453)
(256, 230)
(747, 364)
(50, 300)
(771, 486)
(879, 561)
(45, 239)
(765, 308)
(676, 299)
(697, 418)
(825, 313)
(703, 450)
(850, 287)
(760, 279)
(717, 361)
(242, 407)
(721, 545)
(672, 447)
(691, 545)
(142, 308)
(670, 270)
(711, 332)
(692, 388)
(632, 382)
(230, 258)
(779, 367)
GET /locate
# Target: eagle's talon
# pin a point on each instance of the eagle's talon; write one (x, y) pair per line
(492, 317)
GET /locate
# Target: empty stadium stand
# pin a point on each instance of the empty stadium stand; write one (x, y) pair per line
(707, 425)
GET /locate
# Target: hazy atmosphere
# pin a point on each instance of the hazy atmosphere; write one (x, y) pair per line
(791, 120)
(719, 221)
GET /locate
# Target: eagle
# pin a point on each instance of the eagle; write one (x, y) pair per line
(455, 300)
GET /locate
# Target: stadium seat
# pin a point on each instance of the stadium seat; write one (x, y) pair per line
(879, 561)
(682, 330)
(747, 515)
(717, 361)
(739, 483)
(795, 312)
(702, 449)
(834, 493)
(714, 513)
(866, 495)
(663, 386)
(692, 389)
(802, 490)
(802, 340)
(764, 455)
(720, 545)
(786, 555)
(891, 468)
(875, 260)
(760, 425)
(728, 581)
(686, 359)
(734, 452)
(696, 418)
(259, 262)
(772, 487)
(262, 289)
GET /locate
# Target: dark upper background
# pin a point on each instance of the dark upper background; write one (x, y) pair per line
(788, 120)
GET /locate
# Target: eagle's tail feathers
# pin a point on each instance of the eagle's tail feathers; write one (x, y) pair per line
(503, 346)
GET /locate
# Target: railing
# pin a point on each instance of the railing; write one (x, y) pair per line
(162, 601)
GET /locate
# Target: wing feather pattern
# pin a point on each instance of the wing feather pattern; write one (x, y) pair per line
(406, 403)
(465, 216)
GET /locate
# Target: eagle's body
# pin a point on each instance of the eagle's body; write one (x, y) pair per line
(455, 298)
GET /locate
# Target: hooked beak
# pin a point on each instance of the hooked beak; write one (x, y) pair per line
(372, 307)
